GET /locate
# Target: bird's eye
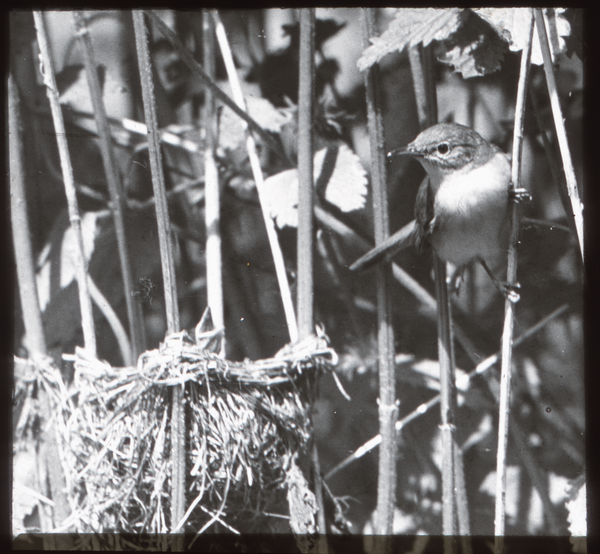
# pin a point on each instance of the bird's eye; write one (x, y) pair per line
(443, 148)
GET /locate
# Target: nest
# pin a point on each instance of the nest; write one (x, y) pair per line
(244, 423)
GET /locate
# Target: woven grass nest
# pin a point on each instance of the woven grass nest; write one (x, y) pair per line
(245, 422)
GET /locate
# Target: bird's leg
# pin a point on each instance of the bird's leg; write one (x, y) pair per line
(518, 195)
(507, 289)
(457, 279)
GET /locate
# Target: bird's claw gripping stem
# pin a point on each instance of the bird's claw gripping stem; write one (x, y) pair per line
(519, 195)
(510, 291)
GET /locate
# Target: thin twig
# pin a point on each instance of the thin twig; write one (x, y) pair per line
(168, 267)
(113, 320)
(334, 263)
(115, 187)
(284, 287)
(463, 384)
(559, 124)
(547, 223)
(511, 276)
(388, 408)
(47, 68)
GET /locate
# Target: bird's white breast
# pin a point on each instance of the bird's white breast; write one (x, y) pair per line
(471, 212)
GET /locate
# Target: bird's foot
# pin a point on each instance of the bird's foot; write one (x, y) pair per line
(456, 281)
(510, 291)
(519, 195)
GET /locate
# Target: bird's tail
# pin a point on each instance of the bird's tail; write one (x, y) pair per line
(398, 241)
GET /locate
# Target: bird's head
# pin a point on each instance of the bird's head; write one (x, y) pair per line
(448, 147)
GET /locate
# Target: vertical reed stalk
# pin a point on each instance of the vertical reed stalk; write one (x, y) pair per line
(212, 203)
(51, 478)
(305, 293)
(304, 303)
(168, 268)
(509, 306)
(115, 186)
(388, 408)
(447, 405)
(34, 330)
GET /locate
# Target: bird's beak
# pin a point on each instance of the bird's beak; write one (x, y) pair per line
(408, 150)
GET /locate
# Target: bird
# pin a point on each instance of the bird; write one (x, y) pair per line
(462, 206)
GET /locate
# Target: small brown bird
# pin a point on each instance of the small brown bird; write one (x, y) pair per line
(462, 207)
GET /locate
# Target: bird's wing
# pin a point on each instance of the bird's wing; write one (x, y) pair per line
(424, 216)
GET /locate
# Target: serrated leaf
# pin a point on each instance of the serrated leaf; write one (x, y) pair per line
(510, 23)
(281, 194)
(412, 26)
(513, 25)
(346, 188)
(475, 50)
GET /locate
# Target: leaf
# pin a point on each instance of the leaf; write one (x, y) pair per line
(476, 49)
(265, 114)
(512, 24)
(232, 128)
(412, 26)
(281, 195)
(346, 186)
(59, 255)
(473, 46)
